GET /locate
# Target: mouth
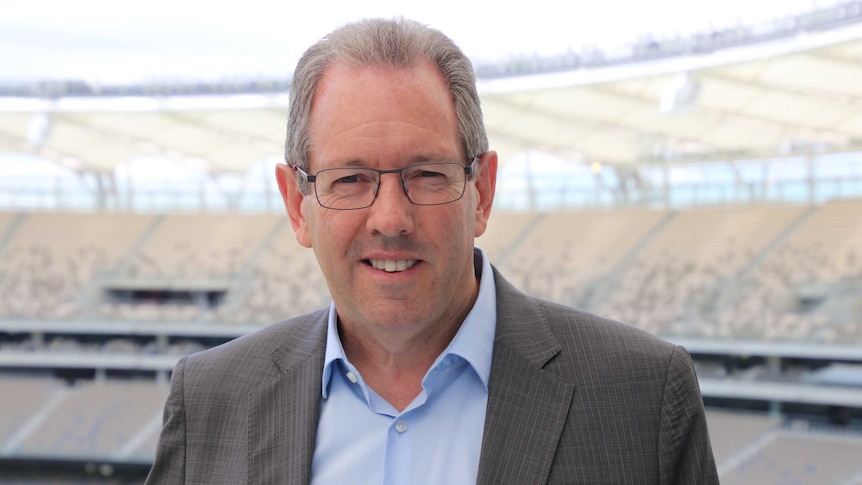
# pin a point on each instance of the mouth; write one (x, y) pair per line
(391, 265)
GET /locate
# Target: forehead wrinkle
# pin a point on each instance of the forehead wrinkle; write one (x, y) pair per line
(355, 162)
(383, 137)
(377, 128)
(358, 144)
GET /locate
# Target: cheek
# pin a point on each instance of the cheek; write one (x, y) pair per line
(332, 232)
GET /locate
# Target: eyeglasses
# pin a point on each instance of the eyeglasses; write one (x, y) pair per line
(423, 183)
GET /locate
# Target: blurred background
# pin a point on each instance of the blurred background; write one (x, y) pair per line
(691, 168)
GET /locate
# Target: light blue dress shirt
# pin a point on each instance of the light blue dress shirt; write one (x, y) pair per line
(437, 439)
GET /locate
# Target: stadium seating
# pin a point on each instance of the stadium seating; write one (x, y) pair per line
(821, 258)
(788, 457)
(731, 432)
(109, 419)
(28, 391)
(565, 253)
(51, 259)
(762, 272)
(676, 280)
(194, 246)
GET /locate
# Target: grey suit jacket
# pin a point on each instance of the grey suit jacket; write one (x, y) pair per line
(573, 398)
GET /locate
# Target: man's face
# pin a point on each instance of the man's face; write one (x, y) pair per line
(385, 118)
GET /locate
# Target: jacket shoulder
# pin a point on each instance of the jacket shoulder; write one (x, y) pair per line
(527, 323)
(571, 325)
(262, 354)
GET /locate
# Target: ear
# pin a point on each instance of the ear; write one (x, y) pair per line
(293, 199)
(486, 184)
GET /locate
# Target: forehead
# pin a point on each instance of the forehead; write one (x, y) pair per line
(382, 111)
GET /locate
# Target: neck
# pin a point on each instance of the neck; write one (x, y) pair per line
(394, 367)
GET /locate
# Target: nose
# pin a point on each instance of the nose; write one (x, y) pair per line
(392, 213)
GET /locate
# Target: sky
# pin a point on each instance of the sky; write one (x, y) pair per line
(119, 42)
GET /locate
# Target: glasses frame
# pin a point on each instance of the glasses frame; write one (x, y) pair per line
(469, 170)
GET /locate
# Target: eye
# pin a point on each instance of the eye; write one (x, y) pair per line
(347, 179)
(352, 177)
(429, 174)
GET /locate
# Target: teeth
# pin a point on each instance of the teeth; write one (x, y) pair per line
(391, 265)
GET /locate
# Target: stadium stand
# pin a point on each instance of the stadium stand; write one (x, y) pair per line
(741, 271)
(28, 392)
(782, 272)
(184, 246)
(675, 281)
(807, 286)
(48, 261)
(506, 230)
(564, 252)
(276, 292)
(731, 432)
(97, 419)
(790, 457)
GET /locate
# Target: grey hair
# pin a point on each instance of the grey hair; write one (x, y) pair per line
(373, 42)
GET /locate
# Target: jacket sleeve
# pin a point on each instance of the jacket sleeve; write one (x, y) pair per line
(685, 453)
(169, 465)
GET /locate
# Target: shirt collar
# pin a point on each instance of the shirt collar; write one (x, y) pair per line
(474, 341)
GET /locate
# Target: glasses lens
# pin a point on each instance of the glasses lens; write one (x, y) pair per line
(346, 188)
(434, 183)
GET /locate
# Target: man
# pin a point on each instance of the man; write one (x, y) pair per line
(428, 367)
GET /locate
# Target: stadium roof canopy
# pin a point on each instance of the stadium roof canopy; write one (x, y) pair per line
(790, 87)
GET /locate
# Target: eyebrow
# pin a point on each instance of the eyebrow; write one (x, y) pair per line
(352, 163)
(428, 158)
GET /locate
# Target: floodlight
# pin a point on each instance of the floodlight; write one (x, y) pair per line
(680, 94)
(38, 129)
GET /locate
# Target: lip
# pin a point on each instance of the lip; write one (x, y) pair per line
(390, 255)
(391, 263)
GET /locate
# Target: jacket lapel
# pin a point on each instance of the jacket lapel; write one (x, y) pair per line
(282, 421)
(519, 442)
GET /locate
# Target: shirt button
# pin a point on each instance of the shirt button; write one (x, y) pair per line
(401, 426)
(351, 377)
